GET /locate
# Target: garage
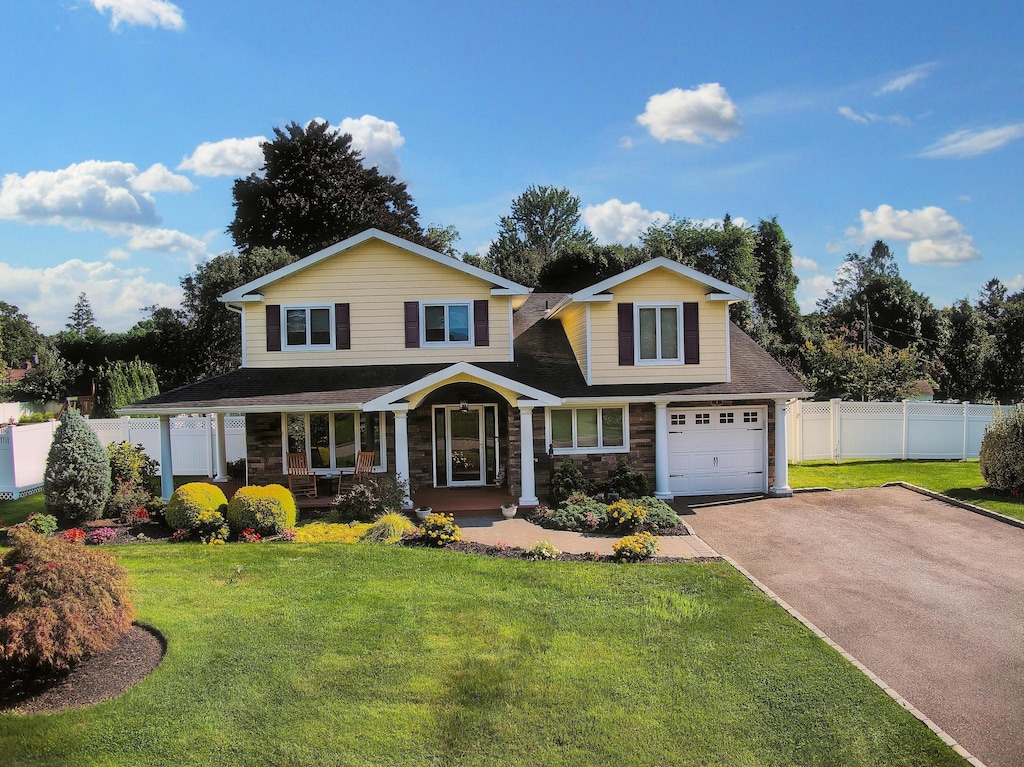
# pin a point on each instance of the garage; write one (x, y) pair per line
(717, 450)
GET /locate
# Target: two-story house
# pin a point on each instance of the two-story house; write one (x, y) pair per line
(455, 377)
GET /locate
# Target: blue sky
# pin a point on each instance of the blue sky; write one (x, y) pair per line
(126, 122)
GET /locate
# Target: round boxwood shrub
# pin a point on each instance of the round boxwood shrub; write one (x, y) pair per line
(76, 484)
(183, 509)
(1002, 453)
(59, 602)
(267, 510)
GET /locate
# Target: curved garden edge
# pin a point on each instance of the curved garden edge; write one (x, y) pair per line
(101, 677)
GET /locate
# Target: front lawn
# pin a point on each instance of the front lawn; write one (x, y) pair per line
(300, 654)
(959, 479)
(13, 512)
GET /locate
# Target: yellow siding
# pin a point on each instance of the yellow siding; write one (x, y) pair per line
(574, 322)
(376, 279)
(658, 285)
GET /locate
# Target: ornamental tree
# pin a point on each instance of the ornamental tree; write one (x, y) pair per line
(76, 484)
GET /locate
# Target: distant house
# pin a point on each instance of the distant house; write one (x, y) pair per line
(455, 377)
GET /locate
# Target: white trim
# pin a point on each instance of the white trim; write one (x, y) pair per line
(528, 490)
(678, 359)
(240, 311)
(382, 424)
(672, 398)
(308, 346)
(511, 335)
(598, 448)
(590, 351)
(447, 305)
(721, 291)
(503, 286)
(385, 401)
(728, 347)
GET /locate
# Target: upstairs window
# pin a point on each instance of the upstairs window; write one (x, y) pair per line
(308, 327)
(659, 338)
(447, 324)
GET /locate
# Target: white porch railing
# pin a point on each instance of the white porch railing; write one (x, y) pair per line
(23, 449)
(836, 430)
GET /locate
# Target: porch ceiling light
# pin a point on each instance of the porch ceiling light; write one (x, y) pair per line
(463, 407)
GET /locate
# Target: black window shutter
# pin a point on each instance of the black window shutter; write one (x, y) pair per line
(342, 327)
(480, 323)
(625, 334)
(412, 324)
(691, 334)
(273, 327)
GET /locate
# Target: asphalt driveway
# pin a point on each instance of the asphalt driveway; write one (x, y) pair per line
(928, 596)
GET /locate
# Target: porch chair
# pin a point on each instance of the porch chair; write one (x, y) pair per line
(363, 469)
(301, 481)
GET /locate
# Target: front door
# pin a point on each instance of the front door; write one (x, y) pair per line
(465, 445)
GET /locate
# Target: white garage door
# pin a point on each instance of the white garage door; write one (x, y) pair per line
(717, 450)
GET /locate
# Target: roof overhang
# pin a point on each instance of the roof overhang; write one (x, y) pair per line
(461, 372)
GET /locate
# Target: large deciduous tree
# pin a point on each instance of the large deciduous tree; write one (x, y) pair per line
(543, 222)
(966, 353)
(775, 294)
(313, 190)
(21, 338)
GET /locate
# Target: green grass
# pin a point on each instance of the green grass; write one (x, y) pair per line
(291, 654)
(958, 479)
(12, 512)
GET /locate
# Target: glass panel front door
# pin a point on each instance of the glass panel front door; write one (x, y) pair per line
(465, 446)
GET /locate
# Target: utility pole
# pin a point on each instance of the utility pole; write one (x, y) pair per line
(867, 330)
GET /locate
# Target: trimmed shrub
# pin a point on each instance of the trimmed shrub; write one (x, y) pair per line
(389, 528)
(440, 529)
(377, 495)
(627, 482)
(635, 548)
(580, 513)
(1002, 452)
(566, 480)
(59, 602)
(331, 532)
(267, 510)
(659, 515)
(130, 463)
(76, 484)
(44, 524)
(188, 500)
(542, 550)
(625, 515)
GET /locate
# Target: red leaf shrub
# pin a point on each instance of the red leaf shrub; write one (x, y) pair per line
(59, 602)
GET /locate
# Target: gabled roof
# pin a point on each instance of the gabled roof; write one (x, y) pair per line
(718, 290)
(250, 291)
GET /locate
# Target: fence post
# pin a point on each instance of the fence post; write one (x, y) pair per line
(906, 426)
(836, 412)
(16, 492)
(126, 428)
(966, 425)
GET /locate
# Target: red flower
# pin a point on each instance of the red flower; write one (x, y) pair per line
(21, 567)
(50, 565)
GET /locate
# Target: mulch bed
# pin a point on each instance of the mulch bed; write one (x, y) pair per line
(98, 678)
(515, 552)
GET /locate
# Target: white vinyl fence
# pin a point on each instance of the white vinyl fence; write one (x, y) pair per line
(23, 449)
(907, 430)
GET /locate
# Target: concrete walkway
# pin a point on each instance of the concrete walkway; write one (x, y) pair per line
(519, 532)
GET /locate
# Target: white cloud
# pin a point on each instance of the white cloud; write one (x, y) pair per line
(146, 13)
(230, 157)
(964, 198)
(1015, 284)
(620, 222)
(810, 290)
(378, 140)
(117, 294)
(934, 235)
(111, 197)
(157, 178)
(870, 117)
(690, 116)
(626, 142)
(805, 264)
(118, 254)
(904, 81)
(971, 143)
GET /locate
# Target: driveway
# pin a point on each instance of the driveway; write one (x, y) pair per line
(928, 596)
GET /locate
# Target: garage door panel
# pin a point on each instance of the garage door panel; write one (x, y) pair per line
(716, 450)
(741, 460)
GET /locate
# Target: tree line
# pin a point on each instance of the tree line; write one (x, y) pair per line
(872, 337)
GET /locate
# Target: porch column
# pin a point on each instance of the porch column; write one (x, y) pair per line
(661, 483)
(166, 467)
(528, 490)
(402, 450)
(222, 452)
(781, 489)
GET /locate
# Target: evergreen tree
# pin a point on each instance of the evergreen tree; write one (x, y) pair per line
(76, 483)
(121, 383)
(966, 353)
(775, 295)
(82, 317)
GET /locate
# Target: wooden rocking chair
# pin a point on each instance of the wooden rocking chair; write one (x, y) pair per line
(363, 469)
(301, 481)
